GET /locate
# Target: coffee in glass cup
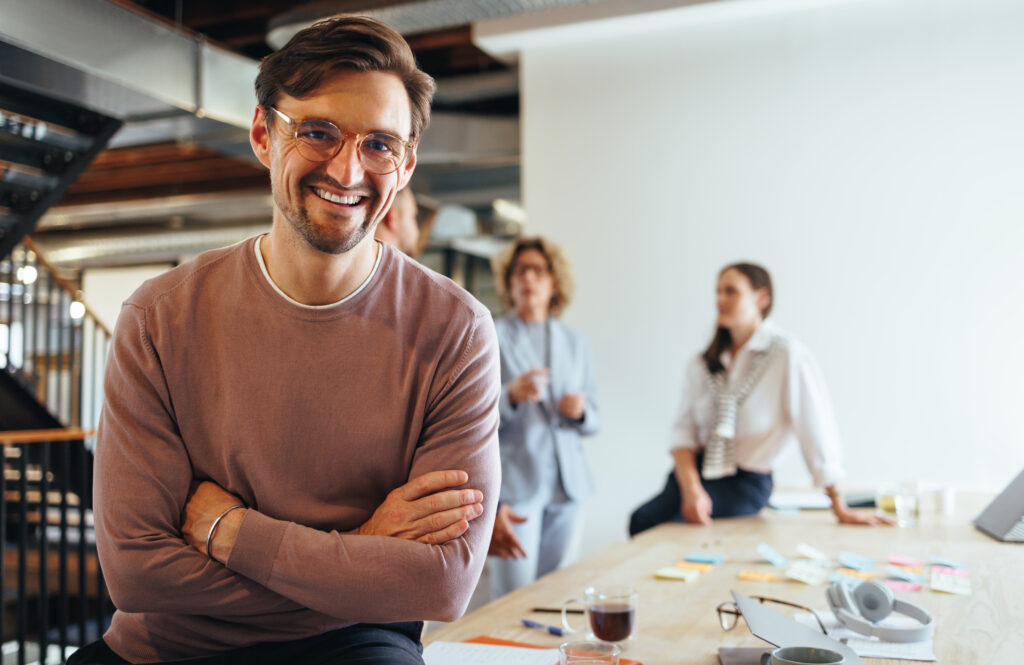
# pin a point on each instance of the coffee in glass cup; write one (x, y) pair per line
(611, 614)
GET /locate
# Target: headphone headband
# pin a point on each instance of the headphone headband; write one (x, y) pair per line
(844, 606)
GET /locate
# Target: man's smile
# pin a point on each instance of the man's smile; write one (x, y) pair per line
(349, 200)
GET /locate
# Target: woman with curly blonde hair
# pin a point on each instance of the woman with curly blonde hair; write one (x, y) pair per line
(548, 402)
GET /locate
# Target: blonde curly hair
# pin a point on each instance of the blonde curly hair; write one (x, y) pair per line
(504, 262)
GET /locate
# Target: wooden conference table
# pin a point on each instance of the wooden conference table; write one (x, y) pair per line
(677, 622)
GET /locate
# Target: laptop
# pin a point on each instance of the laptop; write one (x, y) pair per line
(1003, 519)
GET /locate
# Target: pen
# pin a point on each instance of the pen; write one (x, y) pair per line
(556, 610)
(554, 630)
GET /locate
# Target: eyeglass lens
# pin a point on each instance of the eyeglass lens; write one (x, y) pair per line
(319, 141)
(727, 615)
(522, 269)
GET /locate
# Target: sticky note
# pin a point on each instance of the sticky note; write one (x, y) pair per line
(903, 574)
(704, 557)
(845, 579)
(856, 561)
(806, 551)
(673, 573)
(900, 585)
(807, 572)
(693, 565)
(856, 574)
(755, 576)
(955, 572)
(771, 556)
(899, 560)
(948, 563)
(947, 583)
(917, 570)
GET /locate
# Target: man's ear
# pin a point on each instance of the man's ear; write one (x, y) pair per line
(763, 299)
(259, 137)
(405, 173)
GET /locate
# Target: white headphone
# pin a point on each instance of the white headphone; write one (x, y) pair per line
(869, 603)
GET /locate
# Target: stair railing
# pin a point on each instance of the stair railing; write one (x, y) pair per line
(50, 341)
(51, 579)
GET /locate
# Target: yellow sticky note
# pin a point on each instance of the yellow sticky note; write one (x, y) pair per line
(673, 573)
(859, 574)
(755, 576)
(695, 565)
(917, 570)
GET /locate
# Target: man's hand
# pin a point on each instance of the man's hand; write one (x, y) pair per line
(529, 386)
(425, 510)
(503, 541)
(206, 502)
(697, 506)
(571, 405)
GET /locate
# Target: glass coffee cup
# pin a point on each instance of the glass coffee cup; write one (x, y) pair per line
(611, 614)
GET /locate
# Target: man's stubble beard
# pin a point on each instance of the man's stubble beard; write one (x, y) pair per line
(299, 219)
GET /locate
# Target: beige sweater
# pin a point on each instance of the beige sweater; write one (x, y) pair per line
(311, 416)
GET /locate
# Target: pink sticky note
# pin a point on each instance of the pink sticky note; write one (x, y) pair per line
(955, 572)
(900, 585)
(899, 560)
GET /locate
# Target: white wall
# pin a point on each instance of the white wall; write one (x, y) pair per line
(106, 289)
(871, 154)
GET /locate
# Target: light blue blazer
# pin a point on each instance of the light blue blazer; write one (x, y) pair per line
(523, 433)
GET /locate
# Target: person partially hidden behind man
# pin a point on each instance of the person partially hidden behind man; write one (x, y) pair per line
(400, 226)
(297, 460)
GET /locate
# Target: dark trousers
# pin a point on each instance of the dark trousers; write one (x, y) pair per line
(363, 644)
(745, 493)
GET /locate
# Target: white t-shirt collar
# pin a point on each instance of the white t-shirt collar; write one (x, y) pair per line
(263, 268)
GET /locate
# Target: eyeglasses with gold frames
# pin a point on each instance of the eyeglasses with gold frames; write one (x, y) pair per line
(321, 140)
(728, 613)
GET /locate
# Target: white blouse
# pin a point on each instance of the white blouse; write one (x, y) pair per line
(790, 402)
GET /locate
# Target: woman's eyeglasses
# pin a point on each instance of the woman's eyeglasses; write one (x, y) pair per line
(728, 613)
(320, 141)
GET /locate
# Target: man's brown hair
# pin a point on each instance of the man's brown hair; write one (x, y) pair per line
(346, 43)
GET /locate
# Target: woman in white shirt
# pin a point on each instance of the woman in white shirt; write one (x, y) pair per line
(751, 392)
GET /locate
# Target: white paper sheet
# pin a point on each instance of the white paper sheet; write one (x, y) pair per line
(870, 647)
(463, 653)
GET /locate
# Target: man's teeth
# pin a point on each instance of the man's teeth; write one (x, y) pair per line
(334, 198)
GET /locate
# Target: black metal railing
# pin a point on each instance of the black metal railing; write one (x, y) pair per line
(50, 342)
(54, 596)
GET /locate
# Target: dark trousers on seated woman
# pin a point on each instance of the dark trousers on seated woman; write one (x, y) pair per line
(745, 493)
(362, 644)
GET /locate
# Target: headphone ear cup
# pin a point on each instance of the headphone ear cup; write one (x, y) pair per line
(839, 593)
(874, 600)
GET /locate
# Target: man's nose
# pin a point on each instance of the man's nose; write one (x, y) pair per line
(345, 166)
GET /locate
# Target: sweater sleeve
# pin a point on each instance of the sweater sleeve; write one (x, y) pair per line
(382, 579)
(142, 478)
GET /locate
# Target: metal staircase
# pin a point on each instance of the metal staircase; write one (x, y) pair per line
(52, 355)
(46, 335)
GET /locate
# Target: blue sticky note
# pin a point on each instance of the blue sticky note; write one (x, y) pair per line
(842, 578)
(772, 556)
(940, 561)
(698, 557)
(900, 574)
(856, 561)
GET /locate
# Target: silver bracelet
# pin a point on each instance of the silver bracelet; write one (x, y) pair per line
(216, 523)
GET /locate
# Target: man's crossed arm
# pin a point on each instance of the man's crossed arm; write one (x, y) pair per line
(426, 509)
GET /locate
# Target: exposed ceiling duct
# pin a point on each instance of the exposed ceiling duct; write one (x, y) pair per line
(166, 84)
(106, 248)
(409, 17)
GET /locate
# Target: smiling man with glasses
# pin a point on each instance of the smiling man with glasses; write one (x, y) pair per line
(297, 460)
